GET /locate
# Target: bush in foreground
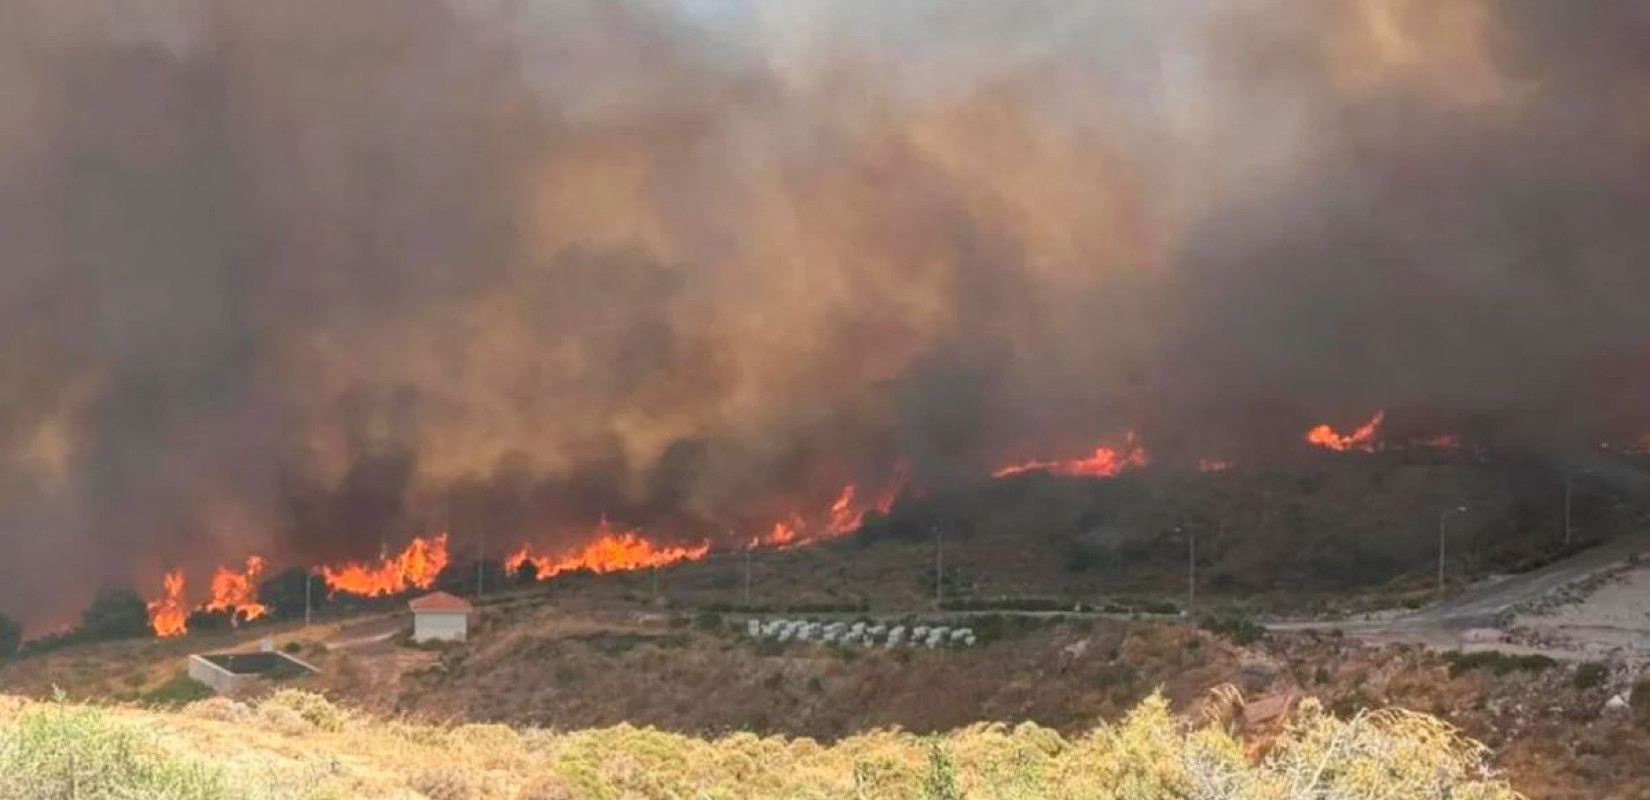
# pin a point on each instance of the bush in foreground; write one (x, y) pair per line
(68, 751)
(63, 751)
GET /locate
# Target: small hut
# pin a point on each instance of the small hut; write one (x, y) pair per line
(440, 617)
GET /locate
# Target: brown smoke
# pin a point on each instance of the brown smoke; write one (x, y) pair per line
(299, 278)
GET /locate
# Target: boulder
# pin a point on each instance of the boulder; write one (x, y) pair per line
(1258, 675)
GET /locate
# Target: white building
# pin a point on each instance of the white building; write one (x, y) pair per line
(440, 617)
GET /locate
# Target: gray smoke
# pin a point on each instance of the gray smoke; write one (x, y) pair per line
(305, 278)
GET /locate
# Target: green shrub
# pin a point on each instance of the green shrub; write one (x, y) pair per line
(312, 708)
(1640, 700)
(996, 627)
(115, 614)
(1240, 631)
(1497, 662)
(62, 751)
(708, 621)
(11, 637)
(180, 690)
(941, 781)
(1006, 603)
(1590, 676)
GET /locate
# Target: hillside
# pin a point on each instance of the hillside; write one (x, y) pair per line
(1316, 533)
(539, 666)
(662, 648)
(295, 746)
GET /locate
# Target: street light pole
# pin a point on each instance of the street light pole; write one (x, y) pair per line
(1443, 527)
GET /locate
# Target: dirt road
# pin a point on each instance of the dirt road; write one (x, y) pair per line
(1484, 605)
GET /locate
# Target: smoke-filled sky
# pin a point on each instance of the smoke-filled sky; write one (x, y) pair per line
(302, 277)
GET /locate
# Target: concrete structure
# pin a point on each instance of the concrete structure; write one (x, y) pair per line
(1267, 709)
(229, 673)
(440, 617)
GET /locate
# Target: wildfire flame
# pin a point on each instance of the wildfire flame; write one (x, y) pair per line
(415, 567)
(1106, 462)
(1362, 439)
(611, 551)
(236, 593)
(845, 515)
(168, 616)
(422, 560)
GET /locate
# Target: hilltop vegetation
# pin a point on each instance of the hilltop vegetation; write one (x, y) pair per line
(297, 746)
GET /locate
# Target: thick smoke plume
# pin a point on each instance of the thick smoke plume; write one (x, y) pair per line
(304, 277)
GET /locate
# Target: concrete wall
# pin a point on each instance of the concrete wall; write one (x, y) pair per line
(442, 626)
(225, 682)
(221, 680)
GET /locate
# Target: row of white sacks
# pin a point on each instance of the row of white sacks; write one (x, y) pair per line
(859, 633)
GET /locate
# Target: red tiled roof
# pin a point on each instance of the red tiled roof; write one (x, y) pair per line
(440, 601)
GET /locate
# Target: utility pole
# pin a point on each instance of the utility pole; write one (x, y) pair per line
(309, 577)
(1191, 576)
(1569, 485)
(747, 577)
(481, 566)
(939, 568)
(1443, 527)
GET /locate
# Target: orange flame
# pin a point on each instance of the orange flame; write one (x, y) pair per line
(168, 616)
(783, 534)
(895, 488)
(1106, 462)
(415, 567)
(609, 552)
(236, 593)
(844, 516)
(1362, 439)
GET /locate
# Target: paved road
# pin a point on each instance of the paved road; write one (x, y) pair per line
(1482, 606)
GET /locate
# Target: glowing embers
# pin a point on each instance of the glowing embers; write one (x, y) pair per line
(415, 567)
(1104, 462)
(611, 551)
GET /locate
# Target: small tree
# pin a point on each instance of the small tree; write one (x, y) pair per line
(459, 577)
(528, 573)
(11, 637)
(284, 593)
(116, 614)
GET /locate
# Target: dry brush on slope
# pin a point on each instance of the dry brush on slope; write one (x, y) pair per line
(299, 746)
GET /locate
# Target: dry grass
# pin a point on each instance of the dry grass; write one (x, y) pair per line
(301, 747)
